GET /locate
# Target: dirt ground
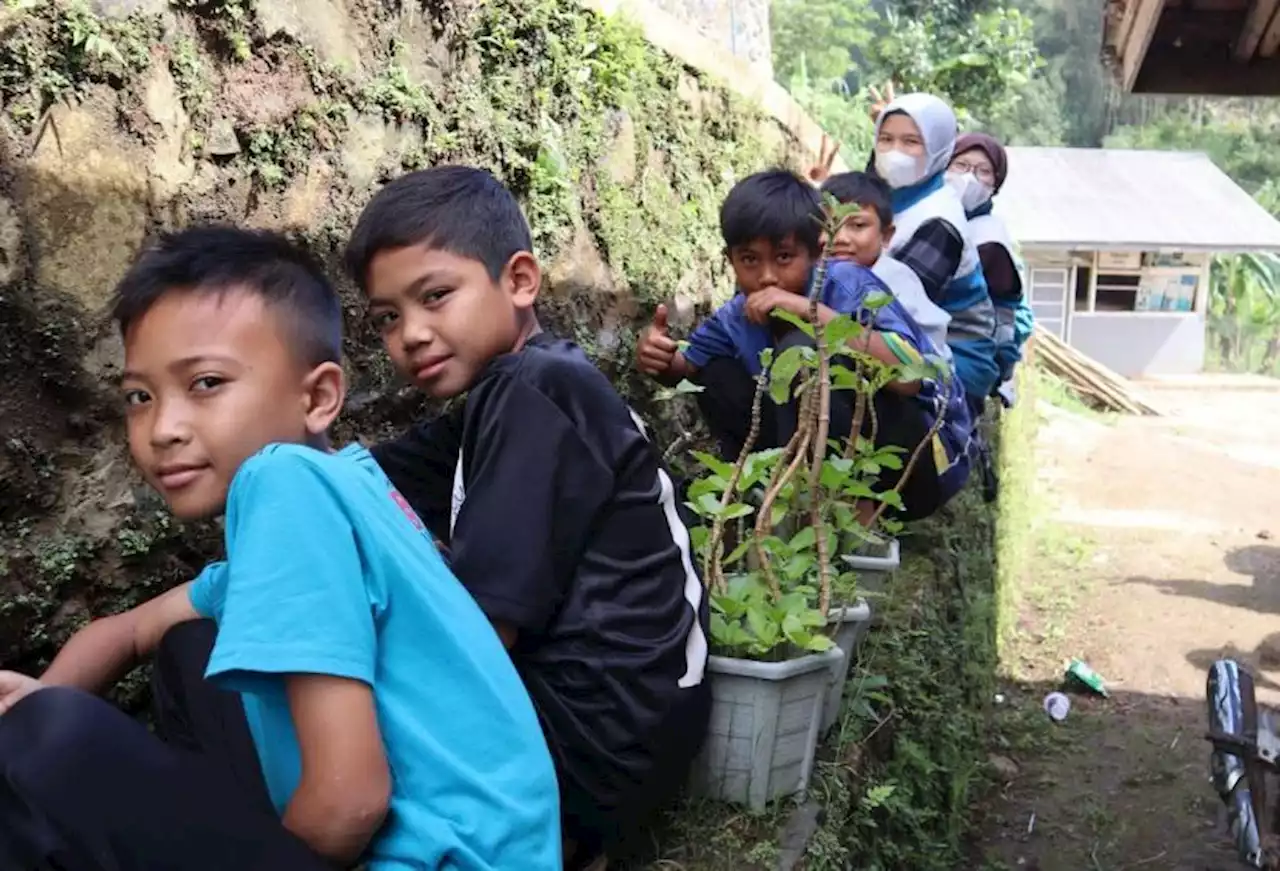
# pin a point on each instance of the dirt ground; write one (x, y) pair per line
(1160, 551)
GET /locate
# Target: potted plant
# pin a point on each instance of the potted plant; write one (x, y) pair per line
(785, 619)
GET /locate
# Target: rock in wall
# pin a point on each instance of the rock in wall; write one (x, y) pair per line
(132, 116)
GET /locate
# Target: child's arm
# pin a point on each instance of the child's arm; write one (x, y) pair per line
(107, 649)
(534, 490)
(345, 788)
(296, 612)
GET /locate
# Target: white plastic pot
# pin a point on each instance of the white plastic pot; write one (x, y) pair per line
(852, 623)
(765, 718)
(874, 571)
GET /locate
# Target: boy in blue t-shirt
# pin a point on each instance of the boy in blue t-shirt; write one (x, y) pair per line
(771, 223)
(359, 707)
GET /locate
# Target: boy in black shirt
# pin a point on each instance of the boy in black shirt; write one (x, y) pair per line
(543, 485)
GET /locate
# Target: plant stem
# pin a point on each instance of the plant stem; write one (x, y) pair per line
(859, 412)
(713, 571)
(822, 426)
(786, 467)
(908, 468)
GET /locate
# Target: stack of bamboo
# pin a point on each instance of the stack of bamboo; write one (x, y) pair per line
(1093, 382)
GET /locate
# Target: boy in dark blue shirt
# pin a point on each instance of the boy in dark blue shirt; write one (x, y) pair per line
(359, 706)
(771, 222)
(558, 513)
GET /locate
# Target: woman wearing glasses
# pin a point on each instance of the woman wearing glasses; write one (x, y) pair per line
(978, 170)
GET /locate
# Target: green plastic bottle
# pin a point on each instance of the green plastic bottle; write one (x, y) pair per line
(1080, 672)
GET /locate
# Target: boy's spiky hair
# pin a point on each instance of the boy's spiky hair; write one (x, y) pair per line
(772, 205)
(220, 259)
(864, 189)
(459, 209)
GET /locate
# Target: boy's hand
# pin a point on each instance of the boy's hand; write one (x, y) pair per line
(656, 350)
(760, 305)
(14, 688)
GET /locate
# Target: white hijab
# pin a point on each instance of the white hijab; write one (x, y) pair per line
(937, 125)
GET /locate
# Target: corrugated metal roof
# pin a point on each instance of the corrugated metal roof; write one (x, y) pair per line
(1118, 199)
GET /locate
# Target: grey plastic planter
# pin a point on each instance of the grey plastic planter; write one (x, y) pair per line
(853, 622)
(764, 726)
(874, 570)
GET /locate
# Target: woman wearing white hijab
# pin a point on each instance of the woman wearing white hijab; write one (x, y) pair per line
(915, 138)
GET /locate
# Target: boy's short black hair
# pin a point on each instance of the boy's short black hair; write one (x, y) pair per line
(864, 189)
(459, 209)
(772, 205)
(218, 259)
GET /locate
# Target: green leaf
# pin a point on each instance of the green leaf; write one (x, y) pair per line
(761, 626)
(802, 539)
(736, 510)
(819, 644)
(698, 537)
(801, 323)
(840, 331)
(844, 378)
(892, 497)
(712, 484)
(798, 566)
(779, 513)
(708, 505)
(784, 371)
(684, 388)
(877, 795)
(715, 464)
(737, 553)
(877, 299)
(835, 471)
(858, 490)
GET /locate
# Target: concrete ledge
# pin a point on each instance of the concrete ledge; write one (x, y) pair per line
(679, 40)
(1209, 381)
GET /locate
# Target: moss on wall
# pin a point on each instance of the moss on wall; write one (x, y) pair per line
(122, 117)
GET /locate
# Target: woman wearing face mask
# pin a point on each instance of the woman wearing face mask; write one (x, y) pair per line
(977, 173)
(915, 138)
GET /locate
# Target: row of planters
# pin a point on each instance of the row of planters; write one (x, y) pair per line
(792, 541)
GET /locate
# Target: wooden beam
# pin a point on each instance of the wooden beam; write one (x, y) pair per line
(1261, 14)
(1271, 39)
(1198, 70)
(1146, 15)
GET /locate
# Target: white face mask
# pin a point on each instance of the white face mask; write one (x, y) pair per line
(898, 169)
(972, 191)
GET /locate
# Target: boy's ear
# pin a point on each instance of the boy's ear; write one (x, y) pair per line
(324, 391)
(886, 235)
(522, 277)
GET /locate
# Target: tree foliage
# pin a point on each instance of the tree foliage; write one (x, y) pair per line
(975, 53)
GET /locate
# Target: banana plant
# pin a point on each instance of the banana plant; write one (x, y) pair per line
(1244, 304)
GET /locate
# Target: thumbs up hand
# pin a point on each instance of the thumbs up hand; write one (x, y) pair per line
(656, 350)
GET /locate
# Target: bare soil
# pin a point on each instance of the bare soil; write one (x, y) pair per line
(1157, 557)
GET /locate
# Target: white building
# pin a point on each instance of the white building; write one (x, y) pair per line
(1117, 245)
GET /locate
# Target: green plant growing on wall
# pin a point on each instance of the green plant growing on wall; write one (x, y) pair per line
(46, 57)
(771, 593)
(227, 20)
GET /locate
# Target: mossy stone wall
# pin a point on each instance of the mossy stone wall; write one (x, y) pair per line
(120, 118)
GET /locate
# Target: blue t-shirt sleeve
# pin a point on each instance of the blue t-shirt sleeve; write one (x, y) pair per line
(713, 338)
(208, 589)
(848, 286)
(295, 600)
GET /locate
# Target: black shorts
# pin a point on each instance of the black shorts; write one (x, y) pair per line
(606, 794)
